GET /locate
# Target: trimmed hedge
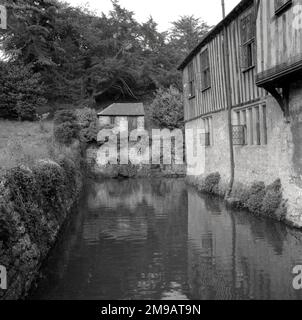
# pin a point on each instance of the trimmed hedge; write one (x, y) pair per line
(34, 204)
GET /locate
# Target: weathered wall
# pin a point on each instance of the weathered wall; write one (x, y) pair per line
(121, 123)
(214, 158)
(280, 158)
(104, 121)
(141, 123)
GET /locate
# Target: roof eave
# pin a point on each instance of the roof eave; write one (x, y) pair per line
(212, 33)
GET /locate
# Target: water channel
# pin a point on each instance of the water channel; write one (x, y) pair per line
(160, 239)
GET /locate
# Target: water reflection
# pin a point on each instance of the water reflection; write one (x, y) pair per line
(159, 239)
(237, 256)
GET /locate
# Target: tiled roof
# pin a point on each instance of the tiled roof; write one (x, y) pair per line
(124, 109)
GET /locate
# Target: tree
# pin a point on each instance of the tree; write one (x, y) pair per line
(167, 108)
(187, 32)
(80, 56)
(21, 92)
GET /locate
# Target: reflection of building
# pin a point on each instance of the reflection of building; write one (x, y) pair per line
(124, 116)
(238, 256)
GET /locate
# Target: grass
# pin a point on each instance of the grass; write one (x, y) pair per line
(23, 142)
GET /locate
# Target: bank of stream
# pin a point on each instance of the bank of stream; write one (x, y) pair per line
(161, 239)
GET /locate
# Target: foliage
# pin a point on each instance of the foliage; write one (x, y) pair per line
(167, 108)
(187, 32)
(21, 91)
(66, 128)
(66, 132)
(63, 116)
(70, 174)
(273, 200)
(88, 122)
(25, 197)
(50, 181)
(79, 55)
(211, 183)
(256, 196)
(258, 199)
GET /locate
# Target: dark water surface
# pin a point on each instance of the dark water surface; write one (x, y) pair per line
(160, 239)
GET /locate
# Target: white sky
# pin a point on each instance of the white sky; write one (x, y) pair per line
(165, 11)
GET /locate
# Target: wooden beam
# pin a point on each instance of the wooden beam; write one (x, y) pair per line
(281, 98)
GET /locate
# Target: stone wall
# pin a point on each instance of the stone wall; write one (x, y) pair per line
(214, 158)
(280, 158)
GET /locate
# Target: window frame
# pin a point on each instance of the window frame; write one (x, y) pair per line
(279, 9)
(208, 141)
(112, 120)
(252, 121)
(248, 40)
(205, 70)
(191, 80)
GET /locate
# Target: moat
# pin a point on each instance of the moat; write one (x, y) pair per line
(161, 239)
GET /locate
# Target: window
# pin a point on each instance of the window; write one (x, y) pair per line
(132, 123)
(258, 130)
(191, 81)
(112, 120)
(205, 70)
(281, 5)
(239, 135)
(247, 42)
(207, 122)
(250, 126)
(239, 130)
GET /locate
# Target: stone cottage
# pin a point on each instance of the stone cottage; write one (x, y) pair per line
(123, 116)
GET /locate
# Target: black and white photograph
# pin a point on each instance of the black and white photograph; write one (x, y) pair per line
(150, 153)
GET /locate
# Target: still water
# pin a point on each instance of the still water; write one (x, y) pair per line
(160, 239)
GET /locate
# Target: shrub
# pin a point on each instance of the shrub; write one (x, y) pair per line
(256, 195)
(65, 133)
(64, 116)
(167, 108)
(24, 195)
(211, 183)
(88, 122)
(50, 181)
(26, 111)
(7, 230)
(272, 201)
(70, 174)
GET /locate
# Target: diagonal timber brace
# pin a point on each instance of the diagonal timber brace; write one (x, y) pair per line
(282, 98)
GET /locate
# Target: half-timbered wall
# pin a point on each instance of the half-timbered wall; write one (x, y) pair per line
(243, 87)
(279, 36)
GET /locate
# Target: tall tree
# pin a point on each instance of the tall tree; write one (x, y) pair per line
(79, 55)
(187, 32)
